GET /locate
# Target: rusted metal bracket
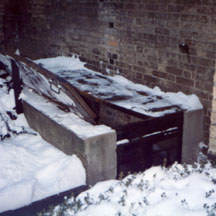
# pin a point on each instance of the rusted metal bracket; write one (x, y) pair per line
(53, 87)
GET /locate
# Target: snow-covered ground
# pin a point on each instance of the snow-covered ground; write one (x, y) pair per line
(177, 191)
(30, 168)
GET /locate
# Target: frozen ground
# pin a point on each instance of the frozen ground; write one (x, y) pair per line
(30, 168)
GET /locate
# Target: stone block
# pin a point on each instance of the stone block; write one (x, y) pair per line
(97, 153)
(192, 135)
(212, 146)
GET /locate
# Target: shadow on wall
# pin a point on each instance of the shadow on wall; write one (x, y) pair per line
(16, 16)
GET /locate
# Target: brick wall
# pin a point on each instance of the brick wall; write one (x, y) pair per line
(14, 21)
(212, 140)
(138, 39)
(1, 20)
(2, 12)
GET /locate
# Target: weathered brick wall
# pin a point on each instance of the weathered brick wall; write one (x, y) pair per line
(14, 19)
(212, 140)
(2, 12)
(1, 20)
(138, 39)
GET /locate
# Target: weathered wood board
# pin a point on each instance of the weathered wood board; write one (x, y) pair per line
(53, 88)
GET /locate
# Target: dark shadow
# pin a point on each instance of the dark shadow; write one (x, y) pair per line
(16, 16)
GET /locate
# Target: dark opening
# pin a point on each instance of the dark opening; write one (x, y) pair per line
(111, 25)
(111, 61)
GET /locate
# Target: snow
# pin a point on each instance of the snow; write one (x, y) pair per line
(179, 190)
(72, 121)
(5, 61)
(61, 62)
(119, 90)
(30, 168)
(36, 81)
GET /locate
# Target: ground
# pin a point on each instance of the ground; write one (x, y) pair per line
(181, 190)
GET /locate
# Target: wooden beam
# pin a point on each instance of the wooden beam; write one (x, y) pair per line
(68, 88)
(151, 125)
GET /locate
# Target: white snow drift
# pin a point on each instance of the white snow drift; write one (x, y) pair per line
(30, 168)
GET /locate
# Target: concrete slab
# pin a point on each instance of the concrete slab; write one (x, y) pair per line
(97, 152)
(192, 135)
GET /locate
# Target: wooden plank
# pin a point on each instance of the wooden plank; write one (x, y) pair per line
(138, 155)
(150, 125)
(123, 109)
(68, 88)
(94, 85)
(17, 86)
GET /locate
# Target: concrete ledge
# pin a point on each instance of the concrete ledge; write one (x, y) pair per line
(212, 144)
(98, 153)
(192, 135)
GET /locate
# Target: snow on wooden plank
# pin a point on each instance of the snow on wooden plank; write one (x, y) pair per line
(51, 86)
(108, 90)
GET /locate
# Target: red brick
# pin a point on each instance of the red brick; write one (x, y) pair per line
(206, 86)
(150, 79)
(211, 54)
(175, 8)
(160, 30)
(174, 70)
(152, 7)
(185, 82)
(164, 75)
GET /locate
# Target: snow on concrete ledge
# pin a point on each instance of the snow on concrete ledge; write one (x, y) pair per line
(95, 145)
(69, 120)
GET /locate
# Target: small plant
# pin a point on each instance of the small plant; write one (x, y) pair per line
(145, 201)
(163, 195)
(122, 201)
(209, 193)
(184, 203)
(144, 187)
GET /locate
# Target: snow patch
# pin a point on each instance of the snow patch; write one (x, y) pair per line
(61, 63)
(179, 190)
(30, 168)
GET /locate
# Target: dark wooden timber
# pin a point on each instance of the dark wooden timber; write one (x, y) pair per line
(17, 86)
(150, 125)
(69, 89)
